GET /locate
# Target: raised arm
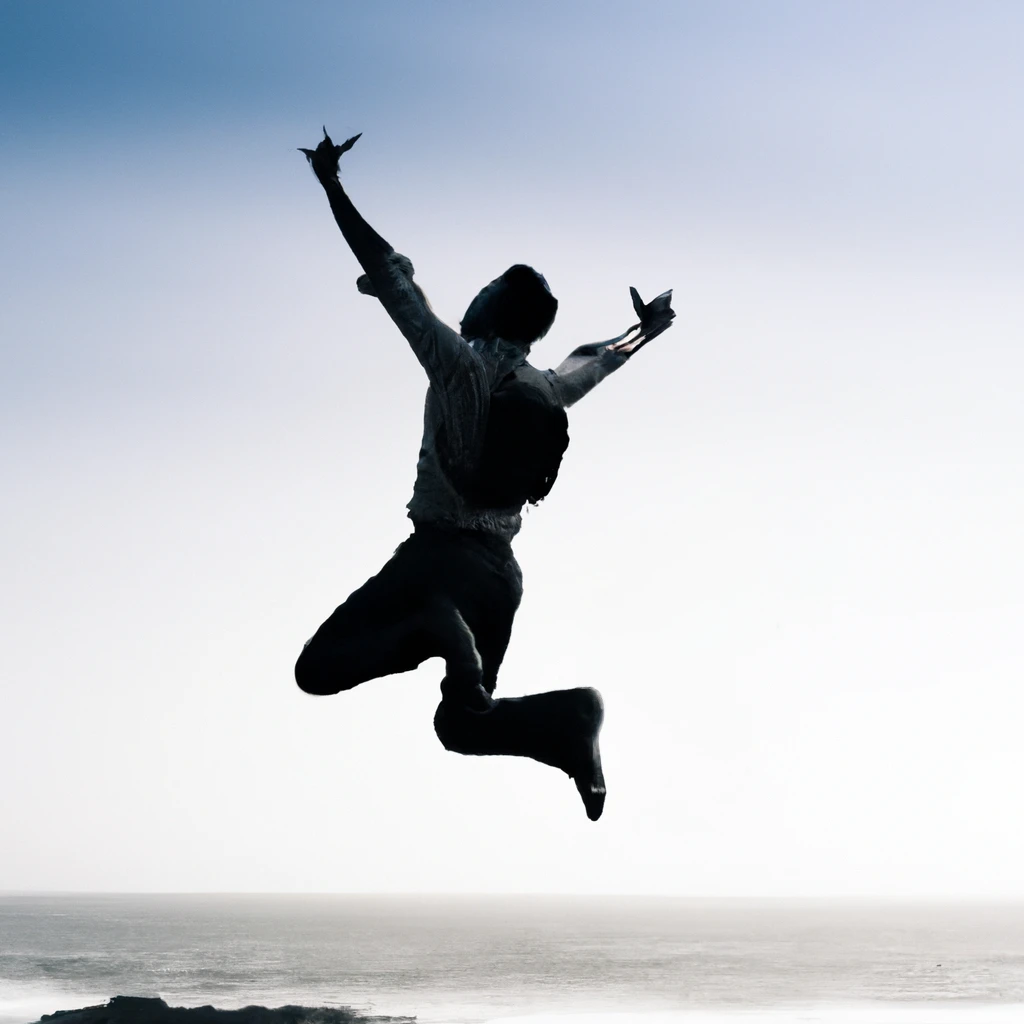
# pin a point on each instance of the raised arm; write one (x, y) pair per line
(388, 274)
(456, 373)
(588, 365)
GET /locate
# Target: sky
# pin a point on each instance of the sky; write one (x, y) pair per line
(786, 541)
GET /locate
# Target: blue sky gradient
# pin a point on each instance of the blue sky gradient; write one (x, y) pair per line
(786, 540)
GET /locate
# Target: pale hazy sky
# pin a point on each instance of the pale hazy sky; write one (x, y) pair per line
(787, 540)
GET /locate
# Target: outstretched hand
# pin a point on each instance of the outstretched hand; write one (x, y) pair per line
(324, 159)
(655, 317)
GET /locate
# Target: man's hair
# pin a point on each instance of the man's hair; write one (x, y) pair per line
(517, 307)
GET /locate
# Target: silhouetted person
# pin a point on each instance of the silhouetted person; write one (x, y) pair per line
(494, 433)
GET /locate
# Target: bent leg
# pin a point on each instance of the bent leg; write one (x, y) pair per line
(394, 622)
(559, 728)
(349, 649)
(337, 659)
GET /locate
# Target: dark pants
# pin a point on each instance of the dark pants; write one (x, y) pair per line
(451, 594)
(445, 593)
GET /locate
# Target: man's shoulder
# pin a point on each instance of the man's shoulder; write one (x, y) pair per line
(529, 373)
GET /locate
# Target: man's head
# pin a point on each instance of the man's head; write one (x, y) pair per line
(517, 307)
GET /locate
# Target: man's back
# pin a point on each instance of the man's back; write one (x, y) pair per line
(453, 411)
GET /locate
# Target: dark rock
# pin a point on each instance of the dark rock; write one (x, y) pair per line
(143, 1010)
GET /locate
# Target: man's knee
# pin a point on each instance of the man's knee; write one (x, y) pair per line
(443, 726)
(453, 724)
(313, 675)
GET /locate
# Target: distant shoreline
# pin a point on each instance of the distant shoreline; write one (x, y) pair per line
(867, 900)
(151, 1010)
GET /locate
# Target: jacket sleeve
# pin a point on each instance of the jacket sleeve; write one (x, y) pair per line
(457, 374)
(458, 378)
(584, 369)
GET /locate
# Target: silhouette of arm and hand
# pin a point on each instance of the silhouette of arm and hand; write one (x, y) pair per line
(585, 367)
(458, 377)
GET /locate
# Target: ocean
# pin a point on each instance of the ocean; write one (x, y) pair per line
(542, 959)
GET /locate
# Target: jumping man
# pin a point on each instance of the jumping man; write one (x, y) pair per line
(495, 430)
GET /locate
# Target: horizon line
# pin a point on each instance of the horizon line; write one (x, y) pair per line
(933, 898)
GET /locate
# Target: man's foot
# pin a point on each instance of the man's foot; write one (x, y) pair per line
(559, 728)
(584, 766)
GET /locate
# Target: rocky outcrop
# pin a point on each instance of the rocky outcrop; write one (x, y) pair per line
(140, 1010)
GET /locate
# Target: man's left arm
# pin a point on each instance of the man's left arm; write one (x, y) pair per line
(584, 368)
(588, 365)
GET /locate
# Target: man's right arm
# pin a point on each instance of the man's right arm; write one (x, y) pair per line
(456, 373)
(389, 274)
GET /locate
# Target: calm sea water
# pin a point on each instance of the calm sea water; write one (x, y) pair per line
(462, 959)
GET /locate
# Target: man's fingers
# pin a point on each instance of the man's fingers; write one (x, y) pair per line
(625, 346)
(630, 345)
(627, 339)
(638, 303)
(348, 144)
(652, 333)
